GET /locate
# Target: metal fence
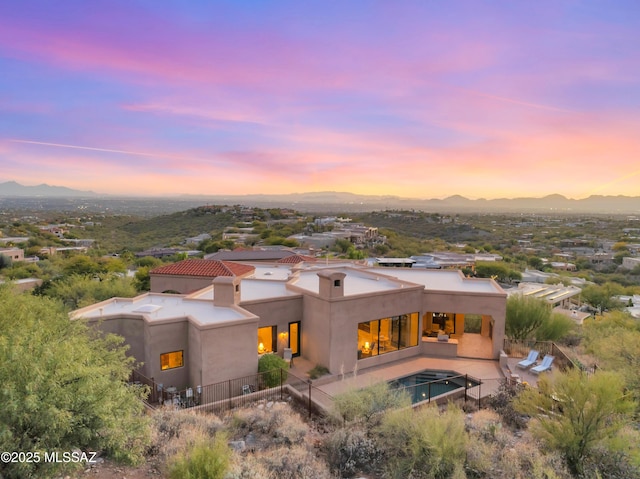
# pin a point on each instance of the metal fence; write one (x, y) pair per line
(445, 389)
(275, 385)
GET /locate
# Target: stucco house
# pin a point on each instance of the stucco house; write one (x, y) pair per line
(340, 315)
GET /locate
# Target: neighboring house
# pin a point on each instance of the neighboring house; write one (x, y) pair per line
(51, 250)
(342, 316)
(575, 314)
(158, 252)
(448, 259)
(557, 295)
(563, 266)
(22, 285)
(83, 242)
(252, 255)
(631, 304)
(14, 254)
(14, 239)
(315, 240)
(197, 239)
(630, 263)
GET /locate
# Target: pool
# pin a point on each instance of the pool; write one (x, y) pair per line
(429, 384)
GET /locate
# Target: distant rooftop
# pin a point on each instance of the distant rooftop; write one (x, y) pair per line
(251, 255)
(551, 293)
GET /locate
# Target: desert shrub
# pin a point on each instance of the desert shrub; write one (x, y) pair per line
(350, 451)
(172, 429)
(279, 423)
(274, 369)
(204, 459)
(486, 424)
(427, 443)
(480, 458)
(574, 413)
(525, 461)
(605, 464)
(501, 401)
(249, 467)
(369, 403)
(294, 463)
(317, 371)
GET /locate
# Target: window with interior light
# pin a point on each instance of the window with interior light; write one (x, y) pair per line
(387, 335)
(267, 340)
(172, 360)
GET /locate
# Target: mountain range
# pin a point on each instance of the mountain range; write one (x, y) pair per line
(350, 202)
(11, 189)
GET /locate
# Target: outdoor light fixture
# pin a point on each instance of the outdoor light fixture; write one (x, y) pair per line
(199, 389)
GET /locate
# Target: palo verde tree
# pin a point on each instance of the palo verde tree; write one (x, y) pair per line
(63, 387)
(576, 414)
(525, 314)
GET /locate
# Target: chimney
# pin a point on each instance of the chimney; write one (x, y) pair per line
(331, 284)
(226, 290)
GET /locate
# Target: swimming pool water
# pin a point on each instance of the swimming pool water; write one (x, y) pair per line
(431, 383)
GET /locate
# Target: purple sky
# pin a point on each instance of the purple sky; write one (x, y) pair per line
(421, 99)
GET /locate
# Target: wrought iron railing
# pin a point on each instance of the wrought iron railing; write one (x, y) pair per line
(275, 385)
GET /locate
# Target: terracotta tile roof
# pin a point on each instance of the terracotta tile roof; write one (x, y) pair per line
(204, 268)
(295, 259)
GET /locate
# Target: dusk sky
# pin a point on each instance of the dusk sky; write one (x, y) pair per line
(422, 99)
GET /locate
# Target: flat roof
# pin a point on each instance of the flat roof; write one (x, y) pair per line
(443, 280)
(160, 307)
(356, 281)
(271, 271)
(250, 290)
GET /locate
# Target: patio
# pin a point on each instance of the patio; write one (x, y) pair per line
(488, 371)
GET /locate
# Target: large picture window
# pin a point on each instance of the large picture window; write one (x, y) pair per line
(172, 360)
(387, 334)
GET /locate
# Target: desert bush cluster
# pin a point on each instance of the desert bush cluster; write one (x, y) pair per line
(267, 440)
(375, 433)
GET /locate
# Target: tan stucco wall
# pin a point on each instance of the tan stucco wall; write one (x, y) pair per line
(316, 331)
(179, 283)
(195, 356)
(278, 312)
(332, 326)
(132, 330)
(163, 338)
(229, 352)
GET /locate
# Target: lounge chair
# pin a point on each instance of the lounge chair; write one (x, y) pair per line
(530, 361)
(544, 366)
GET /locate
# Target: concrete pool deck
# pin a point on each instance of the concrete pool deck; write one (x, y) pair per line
(488, 371)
